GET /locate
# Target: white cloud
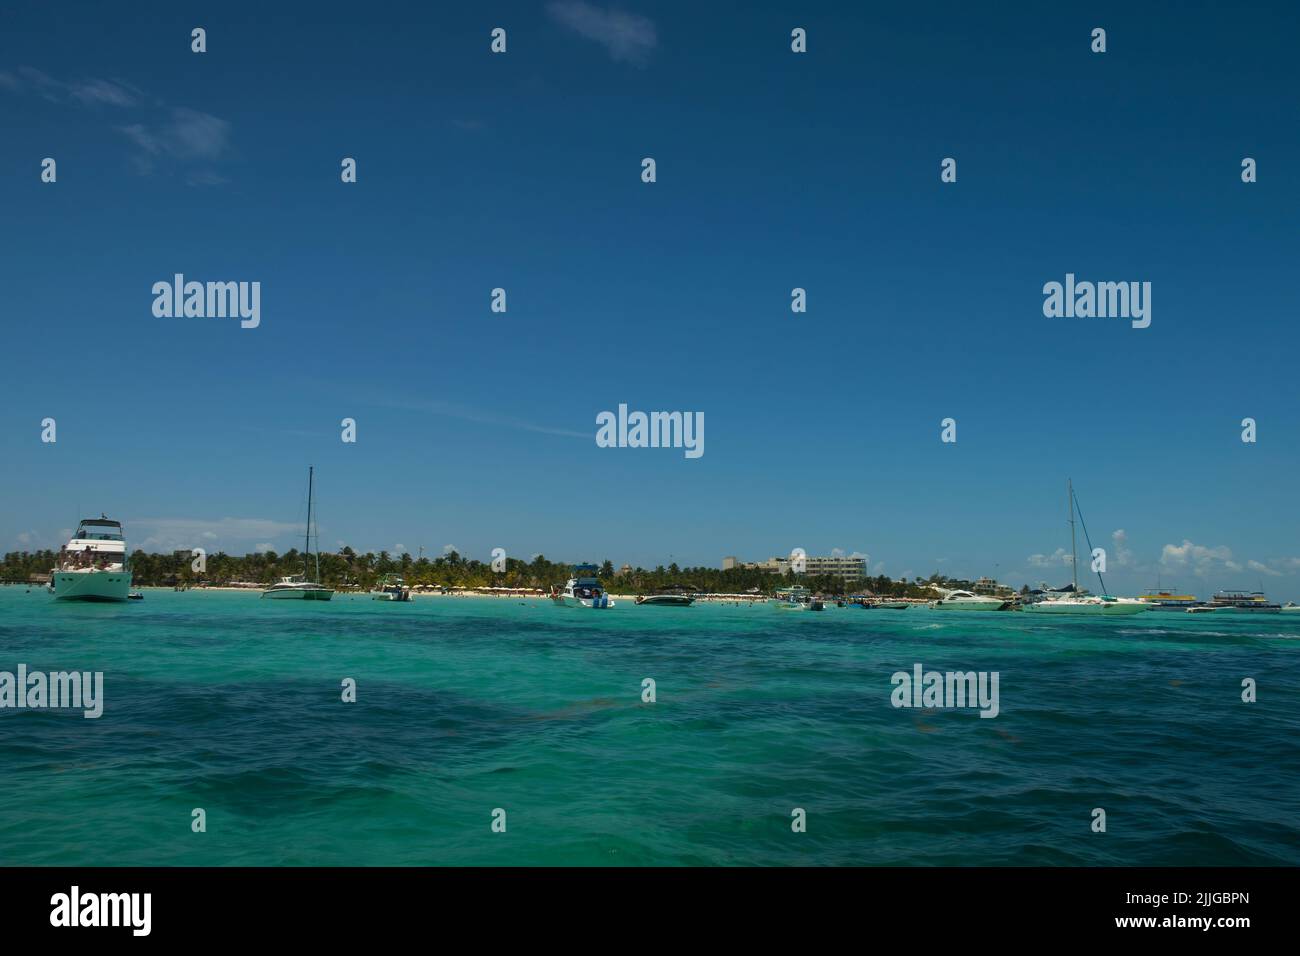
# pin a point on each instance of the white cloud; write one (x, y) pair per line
(1056, 559)
(264, 547)
(1199, 558)
(1122, 557)
(449, 548)
(629, 37)
(1262, 568)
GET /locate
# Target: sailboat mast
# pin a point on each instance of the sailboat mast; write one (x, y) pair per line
(1074, 553)
(307, 553)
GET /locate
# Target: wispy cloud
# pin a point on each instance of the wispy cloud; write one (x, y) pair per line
(481, 417)
(169, 534)
(94, 91)
(185, 135)
(188, 140)
(629, 37)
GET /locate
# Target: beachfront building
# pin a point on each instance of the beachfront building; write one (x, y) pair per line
(840, 566)
(987, 585)
(730, 563)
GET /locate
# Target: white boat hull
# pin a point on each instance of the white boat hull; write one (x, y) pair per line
(967, 605)
(299, 594)
(91, 585)
(1094, 608)
(568, 600)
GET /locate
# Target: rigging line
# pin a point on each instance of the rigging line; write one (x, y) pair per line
(1084, 524)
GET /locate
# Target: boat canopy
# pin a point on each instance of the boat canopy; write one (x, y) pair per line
(100, 523)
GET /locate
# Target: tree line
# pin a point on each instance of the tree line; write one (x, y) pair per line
(346, 568)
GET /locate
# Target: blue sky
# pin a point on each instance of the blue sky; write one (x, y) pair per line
(775, 170)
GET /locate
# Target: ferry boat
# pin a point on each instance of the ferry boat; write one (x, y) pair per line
(390, 588)
(296, 587)
(582, 590)
(1073, 601)
(93, 565)
(955, 599)
(1161, 600)
(1253, 601)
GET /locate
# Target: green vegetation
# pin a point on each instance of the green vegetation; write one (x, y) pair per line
(346, 568)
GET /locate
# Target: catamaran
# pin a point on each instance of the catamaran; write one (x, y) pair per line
(296, 586)
(1075, 601)
(93, 565)
(582, 590)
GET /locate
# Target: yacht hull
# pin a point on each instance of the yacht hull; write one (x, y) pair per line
(568, 600)
(1096, 610)
(299, 594)
(91, 585)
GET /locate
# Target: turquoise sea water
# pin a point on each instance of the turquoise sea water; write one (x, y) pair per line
(230, 703)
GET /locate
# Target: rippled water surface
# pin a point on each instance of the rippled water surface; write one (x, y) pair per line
(230, 703)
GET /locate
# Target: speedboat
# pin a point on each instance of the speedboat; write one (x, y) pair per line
(390, 588)
(93, 565)
(1290, 606)
(582, 590)
(955, 599)
(297, 586)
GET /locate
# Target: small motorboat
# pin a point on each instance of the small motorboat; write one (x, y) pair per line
(134, 596)
(391, 588)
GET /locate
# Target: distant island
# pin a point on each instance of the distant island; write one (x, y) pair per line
(346, 568)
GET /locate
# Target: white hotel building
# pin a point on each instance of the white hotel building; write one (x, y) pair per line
(848, 568)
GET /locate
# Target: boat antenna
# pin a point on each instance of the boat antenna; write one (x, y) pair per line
(1074, 551)
(307, 554)
(1085, 534)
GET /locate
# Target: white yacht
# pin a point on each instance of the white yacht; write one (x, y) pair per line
(296, 587)
(93, 565)
(954, 599)
(582, 590)
(1074, 601)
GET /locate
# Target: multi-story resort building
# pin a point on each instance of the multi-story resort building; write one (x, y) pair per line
(841, 566)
